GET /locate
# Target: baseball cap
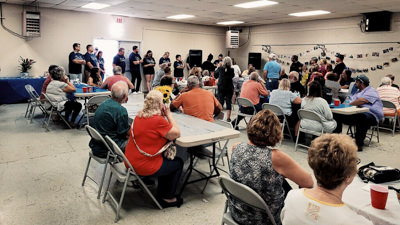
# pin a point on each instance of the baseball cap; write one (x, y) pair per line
(340, 56)
(272, 56)
(363, 79)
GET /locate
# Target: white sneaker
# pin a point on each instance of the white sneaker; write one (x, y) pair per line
(135, 93)
(139, 92)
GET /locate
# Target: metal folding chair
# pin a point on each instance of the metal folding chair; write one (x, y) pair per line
(279, 112)
(111, 157)
(243, 193)
(95, 100)
(53, 108)
(33, 102)
(394, 118)
(244, 102)
(123, 175)
(306, 114)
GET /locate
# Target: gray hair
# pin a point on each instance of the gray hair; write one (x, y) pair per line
(227, 62)
(193, 81)
(119, 90)
(117, 70)
(57, 73)
(253, 76)
(206, 73)
(386, 81)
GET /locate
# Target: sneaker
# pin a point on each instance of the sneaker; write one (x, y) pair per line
(139, 92)
(135, 93)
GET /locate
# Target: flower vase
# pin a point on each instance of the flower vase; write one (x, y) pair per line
(24, 74)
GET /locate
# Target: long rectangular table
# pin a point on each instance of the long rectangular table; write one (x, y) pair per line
(12, 89)
(348, 110)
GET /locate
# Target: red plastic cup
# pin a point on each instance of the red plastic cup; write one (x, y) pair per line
(379, 195)
(84, 89)
(336, 102)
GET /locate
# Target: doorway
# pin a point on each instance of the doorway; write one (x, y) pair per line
(109, 49)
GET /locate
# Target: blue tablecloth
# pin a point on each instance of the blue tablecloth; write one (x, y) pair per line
(12, 89)
(340, 106)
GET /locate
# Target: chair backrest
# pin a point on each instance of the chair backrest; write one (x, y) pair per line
(233, 189)
(310, 115)
(118, 152)
(351, 85)
(97, 100)
(274, 108)
(389, 105)
(244, 102)
(49, 101)
(93, 133)
(31, 91)
(224, 123)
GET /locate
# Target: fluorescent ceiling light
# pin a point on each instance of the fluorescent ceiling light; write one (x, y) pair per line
(310, 13)
(180, 17)
(230, 22)
(255, 4)
(94, 5)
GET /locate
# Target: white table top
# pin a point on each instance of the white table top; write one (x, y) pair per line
(194, 131)
(210, 87)
(91, 94)
(349, 110)
(357, 197)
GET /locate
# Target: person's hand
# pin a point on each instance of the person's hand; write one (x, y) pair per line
(141, 61)
(165, 111)
(65, 78)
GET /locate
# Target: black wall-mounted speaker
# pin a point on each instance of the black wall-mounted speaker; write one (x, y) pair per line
(195, 58)
(377, 21)
(255, 59)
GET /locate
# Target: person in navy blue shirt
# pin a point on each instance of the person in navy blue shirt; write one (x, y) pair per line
(75, 63)
(179, 65)
(165, 59)
(100, 59)
(119, 60)
(134, 64)
(148, 68)
(91, 61)
(217, 61)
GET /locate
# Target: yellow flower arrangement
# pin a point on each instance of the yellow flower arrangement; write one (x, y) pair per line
(166, 91)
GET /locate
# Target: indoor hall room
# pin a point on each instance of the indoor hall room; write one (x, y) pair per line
(199, 112)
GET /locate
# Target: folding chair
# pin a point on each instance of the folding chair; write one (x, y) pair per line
(33, 102)
(53, 108)
(111, 157)
(243, 193)
(95, 100)
(393, 117)
(123, 175)
(351, 130)
(223, 147)
(246, 103)
(309, 115)
(279, 112)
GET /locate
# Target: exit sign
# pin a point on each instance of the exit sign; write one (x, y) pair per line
(119, 19)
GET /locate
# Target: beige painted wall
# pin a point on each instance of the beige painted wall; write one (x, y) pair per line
(326, 31)
(61, 28)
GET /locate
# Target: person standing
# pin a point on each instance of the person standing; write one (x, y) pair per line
(134, 63)
(296, 65)
(91, 61)
(217, 61)
(165, 59)
(208, 65)
(179, 65)
(119, 60)
(148, 68)
(100, 59)
(225, 74)
(272, 71)
(340, 66)
(75, 63)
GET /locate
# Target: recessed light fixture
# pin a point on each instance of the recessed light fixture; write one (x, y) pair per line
(180, 17)
(94, 5)
(230, 22)
(255, 4)
(310, 13)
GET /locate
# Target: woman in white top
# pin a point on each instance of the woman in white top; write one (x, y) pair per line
(315, 103)
(333, 158)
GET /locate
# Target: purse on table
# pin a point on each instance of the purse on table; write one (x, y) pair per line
(378, 174)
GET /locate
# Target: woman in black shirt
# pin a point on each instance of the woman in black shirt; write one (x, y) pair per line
(225, 75)
(148, 68)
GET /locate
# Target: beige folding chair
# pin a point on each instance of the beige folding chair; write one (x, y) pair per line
(223, 147)
(111, 157)
(279, 112)
(374, 132)
(33, 103)
(394, 118)
(123, 175)
(309, 115)
(53, 108)
(243, 193)
(244, 102)
(95, 100)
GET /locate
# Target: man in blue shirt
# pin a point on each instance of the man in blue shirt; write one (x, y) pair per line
(165, 59)
(134, 64)
(272, 71)
(119, 60)
(91, 62)
(367, 97)
(75, 63)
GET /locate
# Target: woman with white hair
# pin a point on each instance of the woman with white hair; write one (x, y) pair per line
(295, 85)
(225, 74)
(388, 93)
(152, 128)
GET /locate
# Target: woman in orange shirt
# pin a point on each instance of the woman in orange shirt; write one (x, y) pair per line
(151, 132)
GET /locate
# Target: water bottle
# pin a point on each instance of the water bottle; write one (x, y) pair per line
(347, 102)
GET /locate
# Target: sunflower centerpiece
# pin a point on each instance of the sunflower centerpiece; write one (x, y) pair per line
(166, 91)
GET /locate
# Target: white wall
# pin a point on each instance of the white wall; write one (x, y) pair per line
(61, 28)
(344, 30)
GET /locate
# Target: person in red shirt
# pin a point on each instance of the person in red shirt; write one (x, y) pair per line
(114, 79)
(151, 132)
(47, 82)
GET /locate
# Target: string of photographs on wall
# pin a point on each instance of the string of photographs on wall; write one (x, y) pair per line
(330, 56)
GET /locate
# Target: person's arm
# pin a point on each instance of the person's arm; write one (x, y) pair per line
(104, 84)
(175, 132)
(130, 85)
(217, 107)
(265, 74)
(176, 103)
(288, 168)
(90, 82)
(262, 90)
(359, 101)
(70, 87)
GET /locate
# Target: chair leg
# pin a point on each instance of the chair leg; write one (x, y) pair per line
(64, 119)
(297, 140)
(87, 168)
(27, 108)
(107, 187)
(33, 113)
(394, 126)
(102, 180)
(122, 197)
(149, 193)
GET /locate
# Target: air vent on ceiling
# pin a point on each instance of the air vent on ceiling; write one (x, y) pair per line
(232, 39)
(31, 24)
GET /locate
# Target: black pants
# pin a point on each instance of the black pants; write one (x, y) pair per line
(168, 177)
(362, 122)
(136, 76)
(225, 96)
(72, 106)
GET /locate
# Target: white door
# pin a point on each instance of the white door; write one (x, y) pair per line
(109, 49)
(127, 45)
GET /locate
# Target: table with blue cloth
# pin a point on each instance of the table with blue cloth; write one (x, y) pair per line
(12, 89)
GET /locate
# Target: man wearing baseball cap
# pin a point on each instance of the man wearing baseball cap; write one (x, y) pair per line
(272, 71)
(368, 97)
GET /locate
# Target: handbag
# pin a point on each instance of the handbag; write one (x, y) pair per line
(168, 150)
(378, 174)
